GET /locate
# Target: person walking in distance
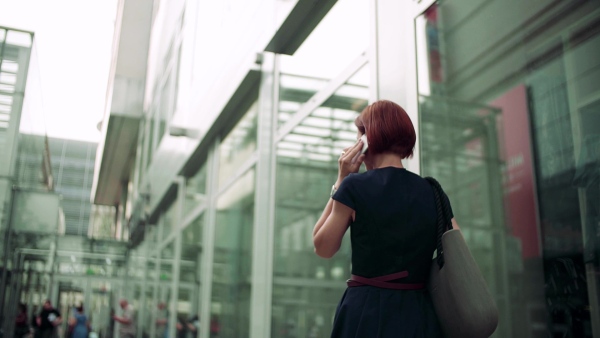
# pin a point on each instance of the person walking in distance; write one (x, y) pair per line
(126, 320)
(79, 323)
(48, 320)
(162, 320)
(21, 323)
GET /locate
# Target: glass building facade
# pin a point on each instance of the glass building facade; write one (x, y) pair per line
(221, 148)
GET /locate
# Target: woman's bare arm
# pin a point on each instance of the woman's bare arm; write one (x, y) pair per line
(327, 239)
(331, 226)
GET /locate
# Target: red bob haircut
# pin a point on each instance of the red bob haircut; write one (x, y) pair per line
(388, 128)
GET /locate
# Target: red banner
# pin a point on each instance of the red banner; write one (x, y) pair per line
(519, 193)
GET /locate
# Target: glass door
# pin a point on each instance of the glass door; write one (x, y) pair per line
(102, 305)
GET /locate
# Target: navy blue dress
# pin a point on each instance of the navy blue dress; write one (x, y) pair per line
(394, 230)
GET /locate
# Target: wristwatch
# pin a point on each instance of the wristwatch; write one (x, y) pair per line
(333, 190)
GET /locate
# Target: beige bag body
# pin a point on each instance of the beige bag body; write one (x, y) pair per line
(460, 295)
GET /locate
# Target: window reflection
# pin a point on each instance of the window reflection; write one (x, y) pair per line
(195, 190)
(162, 303)
(168, 220)
(238, 146)
(191, 251)
(306, 288)
(510, 131)
(152, 297)
(189, 290)
(101, 305)
(166, 263)
(232, 267)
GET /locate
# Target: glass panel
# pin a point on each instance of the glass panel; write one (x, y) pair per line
(102, 306)
(238, 146)
(184, 303)
(195, 190)
(168, 218)
(189, 292)
(70, 294)
(510, 125)
(148, 315)
(137, 279)
(166, 263)
(306, 288)
(166, 275)
(192, 251)
(167, 107)
(145, 315)
(318, 60)
(230, 303)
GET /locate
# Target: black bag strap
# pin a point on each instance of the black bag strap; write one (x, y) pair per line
(444, 221)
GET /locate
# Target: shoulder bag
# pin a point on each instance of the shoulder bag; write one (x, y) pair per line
(460, 295)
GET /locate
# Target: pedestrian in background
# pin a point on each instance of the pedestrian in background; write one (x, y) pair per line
(48, 321)
(79, 323)
(126, 320)
(21, 322)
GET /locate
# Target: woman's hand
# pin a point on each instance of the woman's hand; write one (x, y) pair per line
(350, 161)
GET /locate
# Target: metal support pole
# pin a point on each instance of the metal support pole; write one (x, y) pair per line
(155, 292)
(7, 250)
(264, 200)
(53, 266)
(176, 266)
(393, 69)
(143, 301)
(208, 245)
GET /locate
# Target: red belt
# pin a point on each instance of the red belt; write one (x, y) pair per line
(383, 282)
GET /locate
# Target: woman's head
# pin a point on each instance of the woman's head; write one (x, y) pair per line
(388, 129)
(80, 308)
(22, 308)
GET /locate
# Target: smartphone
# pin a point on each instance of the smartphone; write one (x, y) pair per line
(365, 143)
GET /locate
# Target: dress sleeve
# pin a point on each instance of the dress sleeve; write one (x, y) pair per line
(345, 193)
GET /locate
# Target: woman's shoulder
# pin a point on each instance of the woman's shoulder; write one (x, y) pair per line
(384, 172)
(385, 177)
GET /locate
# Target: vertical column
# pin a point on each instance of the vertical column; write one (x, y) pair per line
(143, 301)
(155, 291)
(176, 266)
(392, 60)
(6, 249)
(262, 247)
(208, 245)
(137, 168)
(52, 267)
(501, 270)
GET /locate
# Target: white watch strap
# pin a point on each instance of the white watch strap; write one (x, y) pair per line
(333, 190)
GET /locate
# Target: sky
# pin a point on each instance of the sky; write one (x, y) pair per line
(73, 41)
